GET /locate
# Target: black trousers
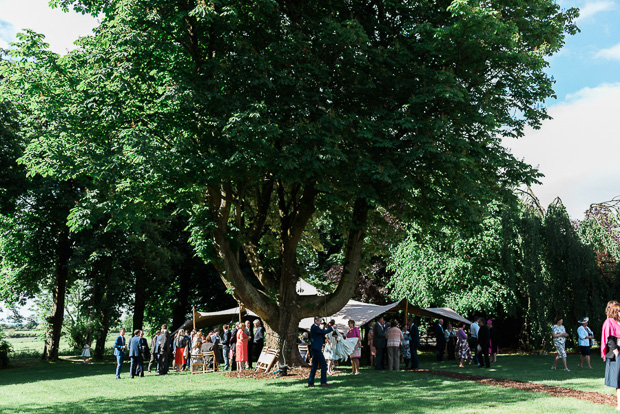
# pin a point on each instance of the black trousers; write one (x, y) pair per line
(379, 358)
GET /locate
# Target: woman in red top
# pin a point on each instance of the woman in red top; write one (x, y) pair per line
(242, 346)
(354, 332)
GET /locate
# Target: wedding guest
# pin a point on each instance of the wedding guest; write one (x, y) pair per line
(558, 332)
(179, 356)
(494, 349)
(86, 352)
(119, 351)
(259, 340)
(354, 332)
(484, 339)
(585, 341)
(242, 346)
(450, 335)
(440, 338)
(414, 344)
(463, 352)
(610, 347)
(144, 352)
(379, 341)
(249, 330)
(226, 347)
(153, 358)
(394, 340)
(233, 348)
(316, 337)
(134, 354)
(406, 349)
(371, 345)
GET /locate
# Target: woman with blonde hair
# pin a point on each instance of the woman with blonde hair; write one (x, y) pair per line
(179, 354)
(242, 346)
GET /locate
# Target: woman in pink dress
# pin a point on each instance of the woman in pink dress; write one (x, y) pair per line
(354, 332)
(242, 346)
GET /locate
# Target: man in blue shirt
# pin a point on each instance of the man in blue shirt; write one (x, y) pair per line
(316, 350)
(119, 352)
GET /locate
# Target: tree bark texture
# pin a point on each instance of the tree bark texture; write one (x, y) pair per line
(58, 309)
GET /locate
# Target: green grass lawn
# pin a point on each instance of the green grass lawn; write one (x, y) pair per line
(67, 387)
(537, 368)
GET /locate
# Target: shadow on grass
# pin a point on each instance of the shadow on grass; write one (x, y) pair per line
(37, 371)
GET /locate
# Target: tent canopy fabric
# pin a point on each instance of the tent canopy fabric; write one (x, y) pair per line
(205, 319)
(360, 312)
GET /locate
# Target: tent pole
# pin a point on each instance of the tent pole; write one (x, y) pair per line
(406, 312)
(239, 303)
(194, 316)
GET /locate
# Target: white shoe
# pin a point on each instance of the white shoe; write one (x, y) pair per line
(552, 367)
(566, 369)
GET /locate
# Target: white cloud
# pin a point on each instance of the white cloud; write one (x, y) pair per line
(577, 150)
(590, 9)
(60, 29)
(612, 53)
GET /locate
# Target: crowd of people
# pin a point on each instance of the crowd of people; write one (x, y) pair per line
(390, 344)
(240, 347)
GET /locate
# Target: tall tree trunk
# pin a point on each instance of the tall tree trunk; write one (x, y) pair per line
(285, 339)
(102, 335)
(140, 300)
(181, 308)
(58, 309)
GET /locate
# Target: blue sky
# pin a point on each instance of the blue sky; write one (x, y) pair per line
(577, 150)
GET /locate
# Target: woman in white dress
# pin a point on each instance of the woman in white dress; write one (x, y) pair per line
(337, 347)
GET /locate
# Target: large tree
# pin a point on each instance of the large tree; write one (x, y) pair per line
(254, 116)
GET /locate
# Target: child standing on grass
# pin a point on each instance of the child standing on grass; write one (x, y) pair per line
(86, 352)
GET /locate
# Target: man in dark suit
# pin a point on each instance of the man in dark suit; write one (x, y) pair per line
(154, 351)
(316, 349)
(414, 344)
(119, 351)
(250, 331)
(233, 348)
(441, 339)
(259, 339)
(484, 343)
(226, 336)
(134, 354)
(144, 353)
(379, 341)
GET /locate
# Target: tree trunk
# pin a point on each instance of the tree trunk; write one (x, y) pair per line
(140, 301)
(58, 310)
(104, 328)
(285, 340)
(181, 307)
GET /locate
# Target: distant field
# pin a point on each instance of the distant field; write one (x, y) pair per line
(29, 344)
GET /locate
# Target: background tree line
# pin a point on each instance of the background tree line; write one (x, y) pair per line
(524, 267)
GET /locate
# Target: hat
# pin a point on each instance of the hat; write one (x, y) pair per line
(584, 320)
(489, 322)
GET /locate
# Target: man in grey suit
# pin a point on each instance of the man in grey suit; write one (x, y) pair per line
(379, 341)
(154, 351)
(135, 354)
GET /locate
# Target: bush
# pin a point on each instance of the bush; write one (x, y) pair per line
(5, 348)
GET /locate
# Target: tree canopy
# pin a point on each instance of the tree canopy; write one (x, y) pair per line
(253, 116)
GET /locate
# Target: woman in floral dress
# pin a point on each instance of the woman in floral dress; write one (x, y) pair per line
(558, 332)
(463, 352)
